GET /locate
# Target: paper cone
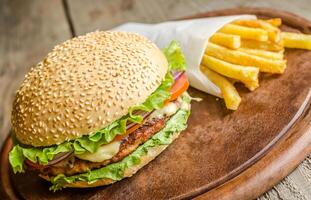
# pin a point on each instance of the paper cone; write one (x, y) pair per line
(193, 36)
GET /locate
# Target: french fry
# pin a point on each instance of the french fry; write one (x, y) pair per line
(230, 94)
(251, 85)
(241, 58)
(250, 23)
(268, 46)
(247, 75)
(274, 21)
(227, 40)
(280, 52)
(296, 40)
(274, 34)
(245, 32)
(263, 53)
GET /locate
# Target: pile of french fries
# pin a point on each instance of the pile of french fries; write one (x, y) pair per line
(242, 49)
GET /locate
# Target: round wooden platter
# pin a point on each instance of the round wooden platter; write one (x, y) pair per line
(222, 154)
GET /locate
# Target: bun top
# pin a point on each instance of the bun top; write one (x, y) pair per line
(84, 84)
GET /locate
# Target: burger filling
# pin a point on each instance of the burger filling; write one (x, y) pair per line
(106, 153)
(114, 151)
(116, 171)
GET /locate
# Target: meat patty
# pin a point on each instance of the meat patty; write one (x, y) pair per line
(74, 165)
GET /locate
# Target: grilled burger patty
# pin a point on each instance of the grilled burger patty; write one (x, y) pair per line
(73, 165)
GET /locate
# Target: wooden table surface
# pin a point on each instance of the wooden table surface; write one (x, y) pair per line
(30, 28)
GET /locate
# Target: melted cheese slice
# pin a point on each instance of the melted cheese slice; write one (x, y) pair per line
(168, 110)
(104, 152)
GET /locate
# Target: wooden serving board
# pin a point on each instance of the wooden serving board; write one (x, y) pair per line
(222, 154)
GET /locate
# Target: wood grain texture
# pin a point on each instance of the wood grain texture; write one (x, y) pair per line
(295, 186)
(107, 14)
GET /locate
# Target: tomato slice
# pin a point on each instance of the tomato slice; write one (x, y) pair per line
(180, 85)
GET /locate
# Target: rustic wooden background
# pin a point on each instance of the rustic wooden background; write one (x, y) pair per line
(30, 28)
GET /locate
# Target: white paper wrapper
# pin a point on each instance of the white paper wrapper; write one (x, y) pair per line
(193, 36)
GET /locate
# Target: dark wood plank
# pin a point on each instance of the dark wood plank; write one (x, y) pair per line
(215, 150)
(28, 30)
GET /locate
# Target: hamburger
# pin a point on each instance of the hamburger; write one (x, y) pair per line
(98, 108)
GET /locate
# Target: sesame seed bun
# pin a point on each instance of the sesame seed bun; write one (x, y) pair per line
(153, 152)
(84, 84)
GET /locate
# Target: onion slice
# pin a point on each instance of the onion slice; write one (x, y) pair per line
(176, 75)
(143, 114)
(59, 157)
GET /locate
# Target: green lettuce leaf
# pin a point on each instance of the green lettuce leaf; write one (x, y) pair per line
(115, 171)
(91, 143)
(175, 57)
(36, 155)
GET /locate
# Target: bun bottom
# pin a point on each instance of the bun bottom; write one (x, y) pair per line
(144, 160)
